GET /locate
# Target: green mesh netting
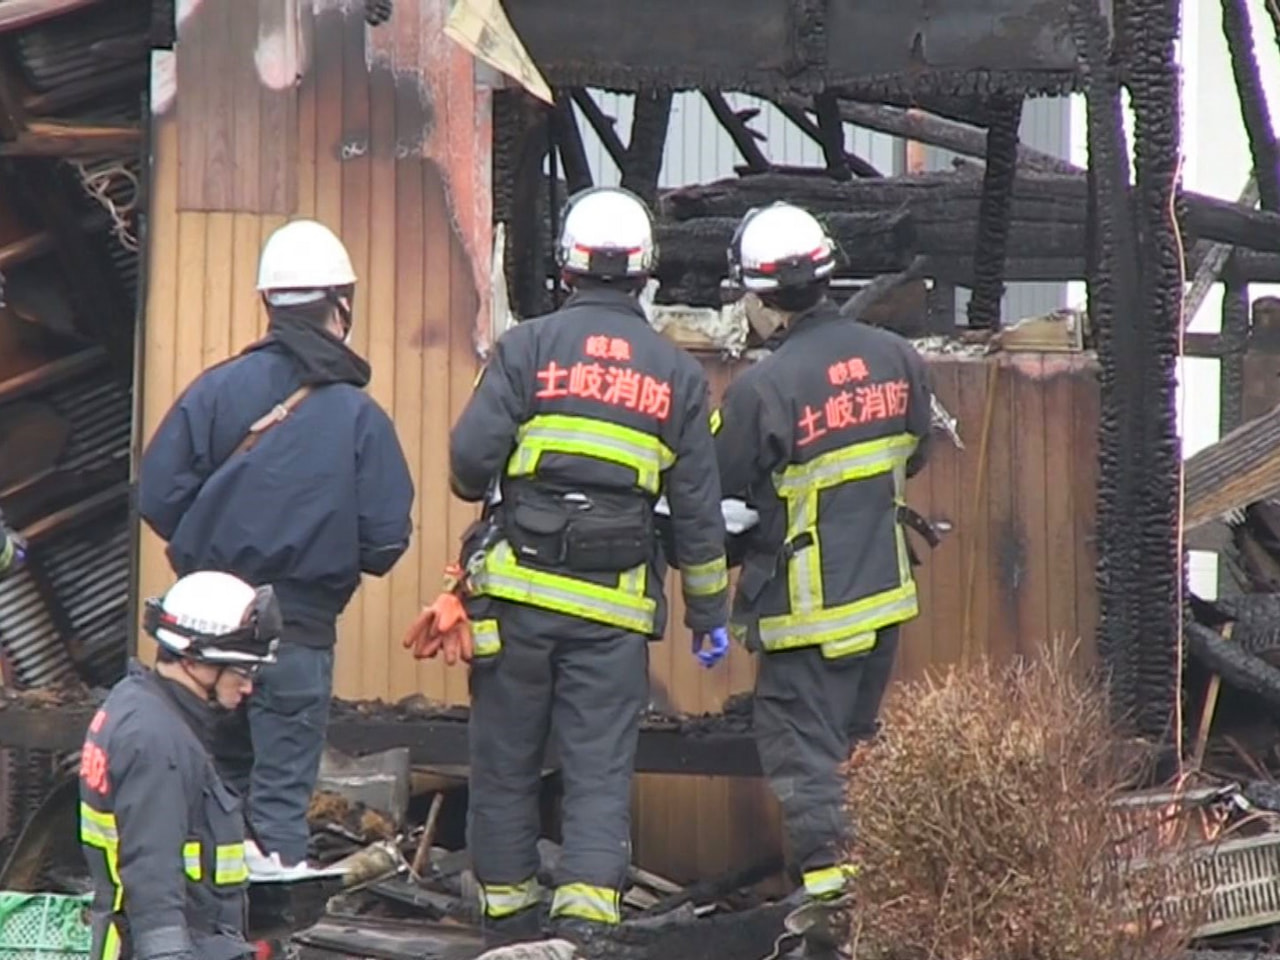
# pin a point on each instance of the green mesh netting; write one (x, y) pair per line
(43, 926)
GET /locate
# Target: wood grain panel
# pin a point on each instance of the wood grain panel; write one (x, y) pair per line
(237, 115)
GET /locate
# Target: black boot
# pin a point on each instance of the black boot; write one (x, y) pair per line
(594, 940)
(523, 927)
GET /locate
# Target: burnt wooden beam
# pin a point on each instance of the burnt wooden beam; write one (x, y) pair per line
(19, 14)
(1208, 260)
(432, 741)
(44, 139)
(1235, 335)
(1241, 468)
(564, 128)
(831, 129)
(650, 118)
(993, 214)
(922, 127)
(100, 84)
(1053, 198)
(743, 137)
(604, 126)
(810, 129)
(51, 374)
(1253, 102)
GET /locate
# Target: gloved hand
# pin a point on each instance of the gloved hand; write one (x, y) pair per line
(443, 625)
(719, 646)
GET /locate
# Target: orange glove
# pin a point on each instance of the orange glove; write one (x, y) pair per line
(442, 625)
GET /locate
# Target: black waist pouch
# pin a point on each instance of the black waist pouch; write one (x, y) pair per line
(596, 533)
(609, 537)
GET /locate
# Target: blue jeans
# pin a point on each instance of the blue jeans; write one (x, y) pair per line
(269, 749)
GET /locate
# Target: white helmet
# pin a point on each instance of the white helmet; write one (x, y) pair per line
(607, 233)
(213, 617)
(305, 259)
(780, 246)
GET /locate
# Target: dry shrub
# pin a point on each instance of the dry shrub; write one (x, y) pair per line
(982, 826)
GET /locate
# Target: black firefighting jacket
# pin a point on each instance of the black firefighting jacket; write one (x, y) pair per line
(590, 399)
(820, 437)
(163, 836)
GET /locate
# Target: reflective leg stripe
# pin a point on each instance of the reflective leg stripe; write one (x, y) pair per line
(828, 882)
(111, 942)
(502, 900)
(586, 902)
(485, 639)
(586, 437)
(229, 865)
(705, 579)
(625, 605)
(848, 628)
(191, 861)
(716, 421)
(6, 554)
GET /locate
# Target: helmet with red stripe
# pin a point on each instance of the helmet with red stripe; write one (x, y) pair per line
(607, 234)
(780, 247)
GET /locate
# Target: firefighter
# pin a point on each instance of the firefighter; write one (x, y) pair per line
(13, 549)
(276, 466)
(581, 420)
(163, 835)
(819, 437)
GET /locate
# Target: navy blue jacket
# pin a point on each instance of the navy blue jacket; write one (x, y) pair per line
(322, 497)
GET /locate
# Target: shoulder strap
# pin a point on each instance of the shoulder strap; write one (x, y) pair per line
(269, 419)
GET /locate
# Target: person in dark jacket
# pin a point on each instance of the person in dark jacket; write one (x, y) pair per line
(581, 421)
(819, 437)
(276, 466)
(162, 834)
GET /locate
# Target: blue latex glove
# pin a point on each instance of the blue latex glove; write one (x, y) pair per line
(719, 646)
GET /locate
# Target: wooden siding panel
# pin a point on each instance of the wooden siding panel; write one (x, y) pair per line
(236, 62)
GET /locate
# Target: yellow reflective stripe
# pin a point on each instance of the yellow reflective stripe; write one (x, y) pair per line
(625, 605)
(787, 632)
(828, 881)
(858, 643)
(229, 864)
(6, 555)
(502, 900)
(485, 639)
(841, 630)
(705, 579)
(854, 462)
(586, 902)
(191, 861)
(586, 437)
(717, 421)
(98, 829)
(111, 942)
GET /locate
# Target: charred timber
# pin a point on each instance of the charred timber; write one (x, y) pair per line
(1253, 101)
(41, 139)
(1156, 575)
(957, 197)
(993, 214)
(1235, 664)
(1113, 293)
